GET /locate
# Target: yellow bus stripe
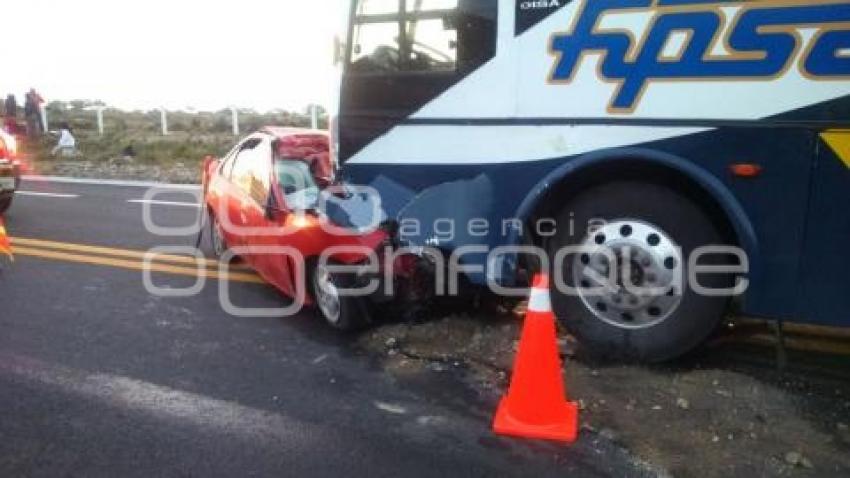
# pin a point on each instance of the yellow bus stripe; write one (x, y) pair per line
(839, 141)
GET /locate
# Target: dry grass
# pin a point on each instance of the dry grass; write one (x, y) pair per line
(191, 135)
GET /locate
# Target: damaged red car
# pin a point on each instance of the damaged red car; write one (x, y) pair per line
(263, 198)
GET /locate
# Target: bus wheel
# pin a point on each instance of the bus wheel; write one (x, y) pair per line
(628, 295)
(339, 311)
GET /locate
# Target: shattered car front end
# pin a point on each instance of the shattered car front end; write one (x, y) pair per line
(404, 274)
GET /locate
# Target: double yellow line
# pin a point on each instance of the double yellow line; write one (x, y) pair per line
(131, 259)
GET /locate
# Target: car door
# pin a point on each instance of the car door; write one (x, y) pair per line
(235, 202)
(219, 189)
(251, 178)
(271, 246)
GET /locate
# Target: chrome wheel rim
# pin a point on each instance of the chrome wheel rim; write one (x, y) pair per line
(643, 288)
(327, 295)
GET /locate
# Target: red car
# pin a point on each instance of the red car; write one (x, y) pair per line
(263, 195)
(10, 170)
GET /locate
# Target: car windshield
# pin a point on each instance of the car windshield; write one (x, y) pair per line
(297, 182)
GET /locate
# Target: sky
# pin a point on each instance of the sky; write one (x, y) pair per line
(208, 55)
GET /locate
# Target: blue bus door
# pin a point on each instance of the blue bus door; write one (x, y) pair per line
(825, 258)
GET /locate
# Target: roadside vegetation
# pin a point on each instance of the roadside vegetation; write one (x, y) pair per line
(133, 146)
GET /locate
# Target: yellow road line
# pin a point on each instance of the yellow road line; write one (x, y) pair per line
(109, 251)
(137, 265)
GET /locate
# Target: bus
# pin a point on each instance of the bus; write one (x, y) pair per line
(659, 129)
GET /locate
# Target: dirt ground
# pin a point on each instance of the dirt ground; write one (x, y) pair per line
(726, 411)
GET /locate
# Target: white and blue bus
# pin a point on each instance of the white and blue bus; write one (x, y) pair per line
(678, 123)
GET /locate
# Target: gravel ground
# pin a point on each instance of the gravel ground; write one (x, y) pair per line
(726, 411)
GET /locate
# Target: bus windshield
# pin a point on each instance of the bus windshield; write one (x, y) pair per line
(423, 36)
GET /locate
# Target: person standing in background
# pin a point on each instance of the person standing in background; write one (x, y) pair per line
(10, 114)
(30, 117)
(32, 112)
(39, 102)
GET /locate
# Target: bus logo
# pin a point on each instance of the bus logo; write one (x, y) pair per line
(763, 38)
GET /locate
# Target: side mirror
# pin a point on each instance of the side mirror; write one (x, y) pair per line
(339, 51)
(207, 167)
(272, 209)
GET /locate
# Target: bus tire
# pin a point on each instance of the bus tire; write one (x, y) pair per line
(649, 221)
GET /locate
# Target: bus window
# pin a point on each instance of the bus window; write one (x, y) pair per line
(421, 36)
(402, 54)
(433, 45)
(377, 7)
(430, 5)
(376, 47)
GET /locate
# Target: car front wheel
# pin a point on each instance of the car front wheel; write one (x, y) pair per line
(340, 311)
(219, 244)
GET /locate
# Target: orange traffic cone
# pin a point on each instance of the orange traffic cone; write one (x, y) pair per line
(536, 405)
(5, 245)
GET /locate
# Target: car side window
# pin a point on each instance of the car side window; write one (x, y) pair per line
(261, 171)
(252, 169)
(227, 163)
(297, 183)
(240, 169)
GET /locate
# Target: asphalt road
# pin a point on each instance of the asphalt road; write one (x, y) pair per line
(98, 377)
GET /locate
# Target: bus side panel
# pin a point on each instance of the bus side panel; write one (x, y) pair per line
(775, 202)
(826, 260)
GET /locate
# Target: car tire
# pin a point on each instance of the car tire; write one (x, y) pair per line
(618, 325)
(5, 203)
(217, 240)
(342, 313)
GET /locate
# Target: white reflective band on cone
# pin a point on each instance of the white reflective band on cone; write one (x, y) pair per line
(539, 301)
